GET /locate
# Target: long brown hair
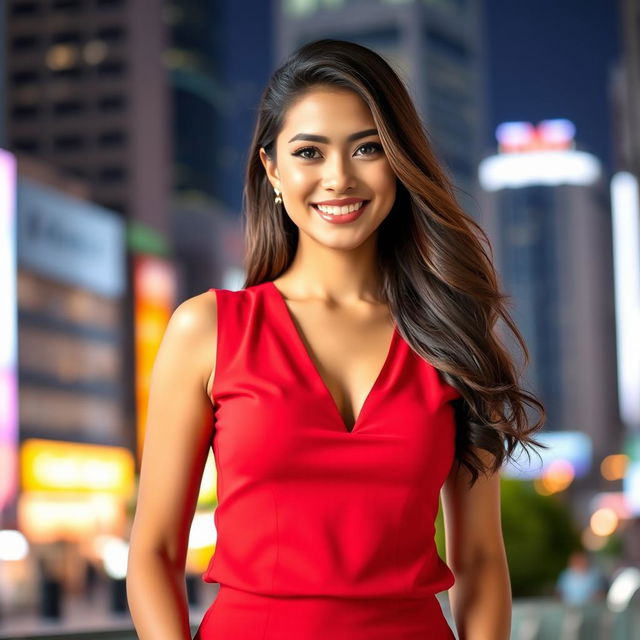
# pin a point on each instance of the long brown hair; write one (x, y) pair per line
(437, 277)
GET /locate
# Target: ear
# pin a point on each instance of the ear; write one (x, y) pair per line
(270, 168)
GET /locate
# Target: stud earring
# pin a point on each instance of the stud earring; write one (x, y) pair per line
(278, 199)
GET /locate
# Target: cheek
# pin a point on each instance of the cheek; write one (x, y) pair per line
(297, 179)
(382, 180)
(386, 188)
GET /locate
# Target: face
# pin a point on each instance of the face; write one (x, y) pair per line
(579, 560)
(347, 162)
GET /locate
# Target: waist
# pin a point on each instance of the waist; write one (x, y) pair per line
(238, 613)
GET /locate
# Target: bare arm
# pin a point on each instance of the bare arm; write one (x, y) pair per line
(481, 596)
(178, 433)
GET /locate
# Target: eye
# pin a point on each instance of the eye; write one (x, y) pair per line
(376, 146)
(299, 152)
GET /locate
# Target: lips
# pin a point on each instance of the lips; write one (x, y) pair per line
(341, 218)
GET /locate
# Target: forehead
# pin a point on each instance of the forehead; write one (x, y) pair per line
(327, 111)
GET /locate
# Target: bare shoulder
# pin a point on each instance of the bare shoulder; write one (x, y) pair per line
(193, 325)
(194, 314)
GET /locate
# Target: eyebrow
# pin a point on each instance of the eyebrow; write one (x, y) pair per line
(315, 138)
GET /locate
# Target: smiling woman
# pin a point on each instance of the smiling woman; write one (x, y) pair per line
(343, 178)
(355, 378)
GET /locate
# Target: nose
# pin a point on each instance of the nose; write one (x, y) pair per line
(338, 174)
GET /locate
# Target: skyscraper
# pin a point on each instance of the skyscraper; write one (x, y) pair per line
(545, 208)
(87, 93)
(435, 46)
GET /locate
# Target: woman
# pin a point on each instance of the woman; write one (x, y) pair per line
(356, 375)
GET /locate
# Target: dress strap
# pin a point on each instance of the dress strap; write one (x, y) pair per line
(236, 344)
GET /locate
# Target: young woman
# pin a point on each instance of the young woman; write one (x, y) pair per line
(356, 377)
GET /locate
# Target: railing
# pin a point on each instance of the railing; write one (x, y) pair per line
(550, 620)
(534, 619)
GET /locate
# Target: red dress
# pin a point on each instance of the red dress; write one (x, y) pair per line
(322, 533)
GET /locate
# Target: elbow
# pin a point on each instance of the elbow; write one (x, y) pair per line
(474, 560)
(470, 569)
(142, 556)
(138, 560)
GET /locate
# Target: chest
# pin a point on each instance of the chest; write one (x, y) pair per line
(341, 354)
(276, 415)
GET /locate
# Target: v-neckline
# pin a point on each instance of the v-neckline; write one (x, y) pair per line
(311, 365)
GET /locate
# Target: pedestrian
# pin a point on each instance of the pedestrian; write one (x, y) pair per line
(581, 582)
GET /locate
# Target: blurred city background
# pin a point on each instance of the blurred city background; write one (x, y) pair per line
(124, 127)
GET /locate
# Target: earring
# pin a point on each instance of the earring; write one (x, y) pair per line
(278, 199)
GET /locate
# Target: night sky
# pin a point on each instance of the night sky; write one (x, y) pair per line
(551, 59)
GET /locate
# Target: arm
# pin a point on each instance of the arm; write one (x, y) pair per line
(481, 596)
(179, 428)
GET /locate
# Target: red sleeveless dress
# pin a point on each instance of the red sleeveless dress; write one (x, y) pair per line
(322, 533)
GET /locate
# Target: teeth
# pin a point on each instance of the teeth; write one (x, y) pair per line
(339, 211)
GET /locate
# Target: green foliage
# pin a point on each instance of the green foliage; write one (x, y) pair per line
(539, 534)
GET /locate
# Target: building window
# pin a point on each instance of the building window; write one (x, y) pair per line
(111, 68)
(24, 77)
(111, 103)
(113, 33)
(22, 43)
(25, 9)
(25, 111)
(28, 145)
(112, 174)
(72, 142)
(70, 72)
(63, 37)
(68, 108)
(109, 4)
(111, 139)
(66, 5)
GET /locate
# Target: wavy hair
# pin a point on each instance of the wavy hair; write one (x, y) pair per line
(436, 275)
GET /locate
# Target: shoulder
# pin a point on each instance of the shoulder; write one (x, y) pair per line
(197, 317)
(194, 315)
(192, 331)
